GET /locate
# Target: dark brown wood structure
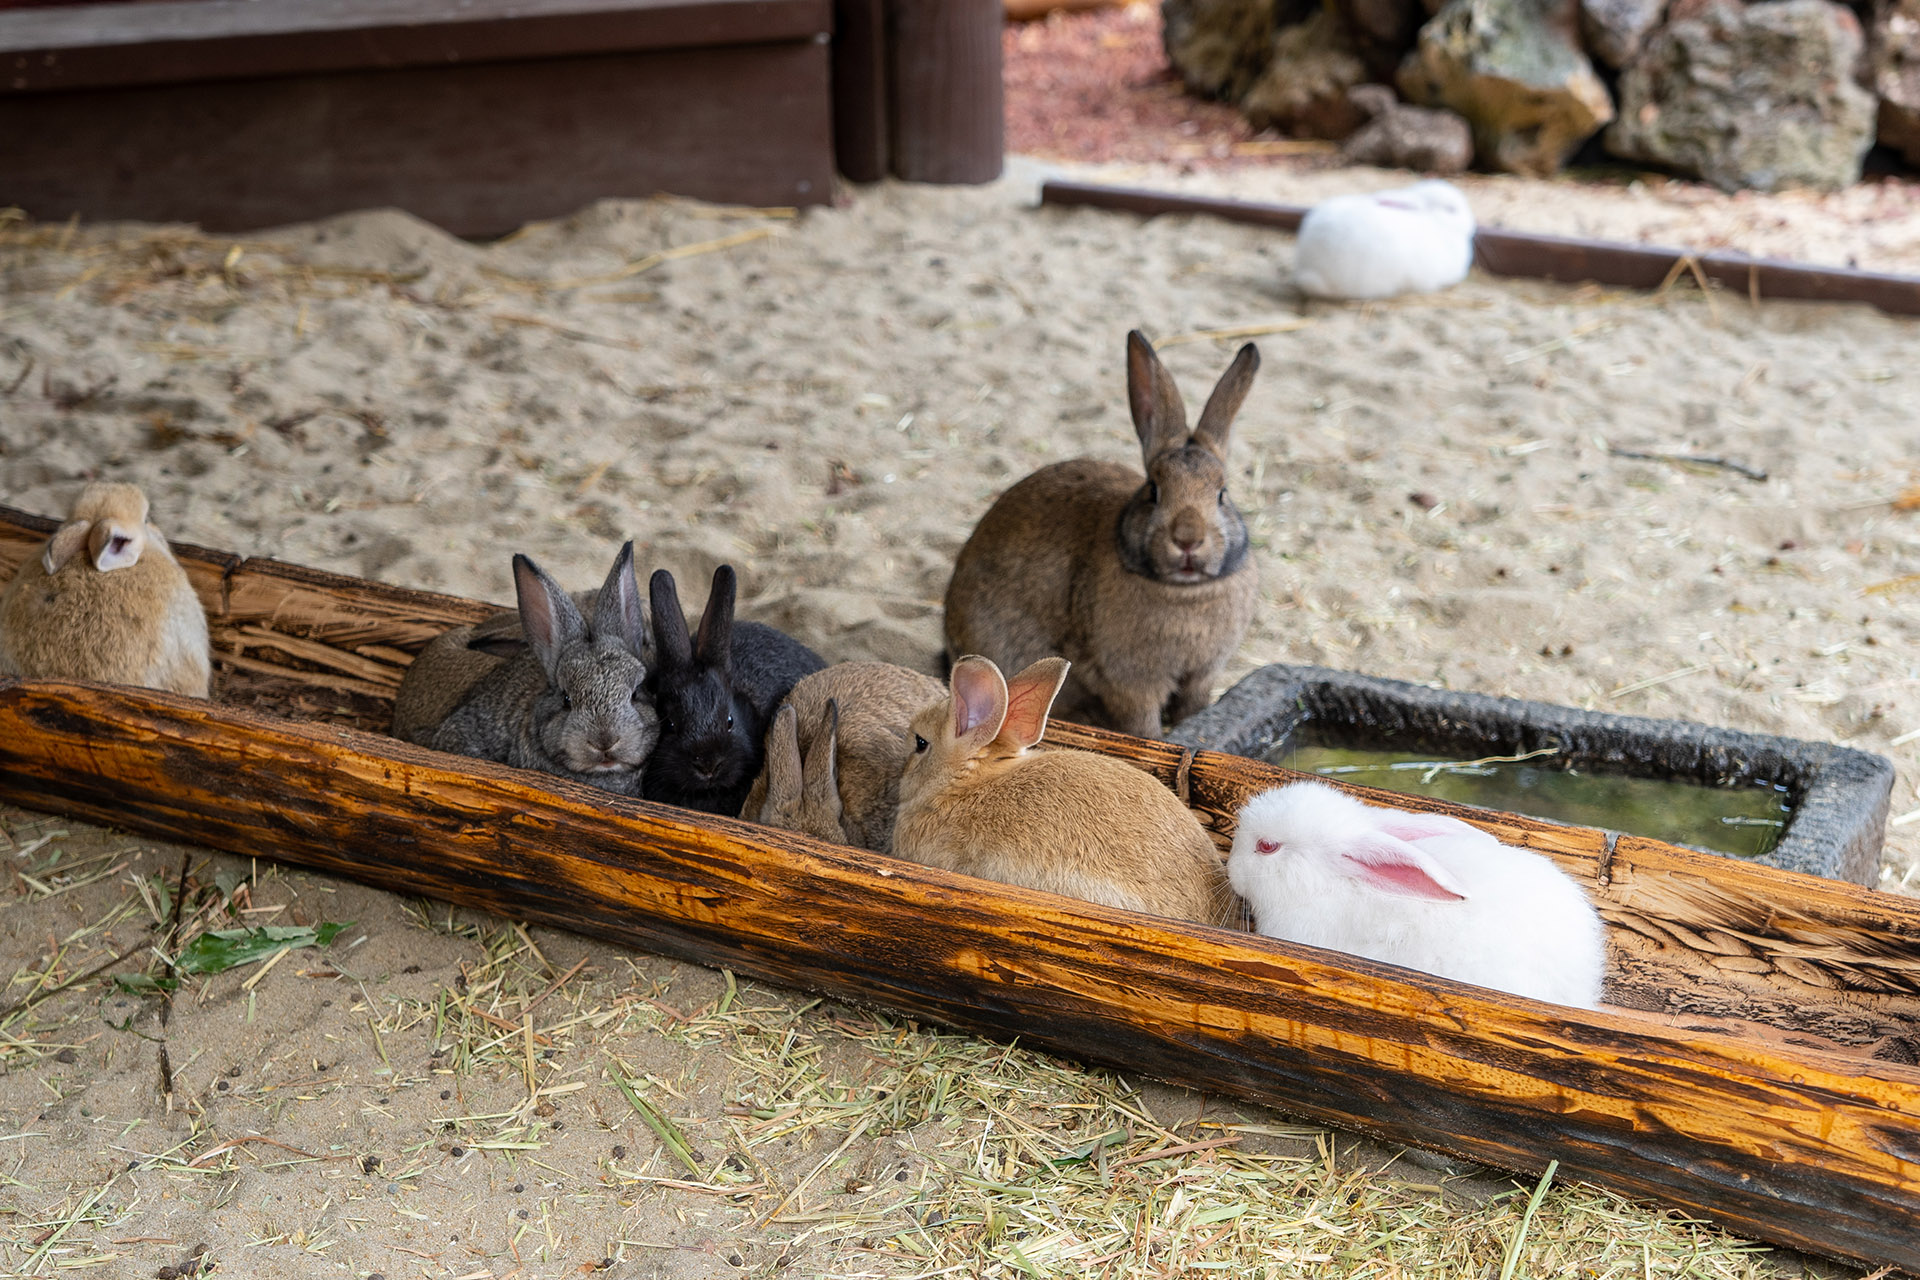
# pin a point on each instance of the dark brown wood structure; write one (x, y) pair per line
(1569, 261)
(483, 115)
(1756, 1065)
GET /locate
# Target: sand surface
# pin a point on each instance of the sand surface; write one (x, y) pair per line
(828, 402)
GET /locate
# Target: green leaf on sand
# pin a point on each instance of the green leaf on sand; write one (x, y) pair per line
(219, 950)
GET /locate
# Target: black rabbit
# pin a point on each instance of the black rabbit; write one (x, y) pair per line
(716, 693)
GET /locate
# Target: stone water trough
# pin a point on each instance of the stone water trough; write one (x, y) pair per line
(1837, 797)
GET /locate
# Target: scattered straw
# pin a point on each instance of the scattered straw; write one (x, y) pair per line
(638, 265)
(1238, 331)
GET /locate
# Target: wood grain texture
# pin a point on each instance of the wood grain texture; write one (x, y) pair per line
(1807, 1148)
(113, 45)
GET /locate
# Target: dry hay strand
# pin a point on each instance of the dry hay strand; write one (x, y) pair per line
(1034, 1166)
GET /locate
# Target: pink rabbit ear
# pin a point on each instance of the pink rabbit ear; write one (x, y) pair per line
(1030, 697)
(1383, 862)
(1424, 826)
(979, 700)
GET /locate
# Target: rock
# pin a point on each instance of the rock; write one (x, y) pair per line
(1615, 30)
(1383, 30)
(1397, 136)
(1759, 96)
(1515, 70)
(1894, 54)
(1219, 47)
(1304, 87)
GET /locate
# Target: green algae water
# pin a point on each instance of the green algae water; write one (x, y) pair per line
(1744, 820)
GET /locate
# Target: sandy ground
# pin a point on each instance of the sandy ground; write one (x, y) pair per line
(828, 403)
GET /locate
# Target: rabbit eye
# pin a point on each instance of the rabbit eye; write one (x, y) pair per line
(729, 720)
(566, 700)
(1223, 497)
(1153, 493)
(919, 744)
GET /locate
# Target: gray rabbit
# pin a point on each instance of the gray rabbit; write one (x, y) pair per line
(572, 703)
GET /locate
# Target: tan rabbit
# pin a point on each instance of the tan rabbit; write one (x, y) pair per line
(976, 798)
(1145, 584)
(123, 612)
(796, 793)
(875, 702)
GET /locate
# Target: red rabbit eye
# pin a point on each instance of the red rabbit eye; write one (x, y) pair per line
(1266, 846)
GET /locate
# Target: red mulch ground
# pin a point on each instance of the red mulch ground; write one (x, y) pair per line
(1096, 87)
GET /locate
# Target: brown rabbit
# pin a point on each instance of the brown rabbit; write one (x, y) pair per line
(1146, 585)
(798, 793)
(976, 799)
(875, 703)
(124, 612)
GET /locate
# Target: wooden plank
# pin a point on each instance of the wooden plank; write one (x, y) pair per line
(477, 149)
(947, 120)
(861, 142)
(1806, 1148)
(118, 45)
(1570, 261)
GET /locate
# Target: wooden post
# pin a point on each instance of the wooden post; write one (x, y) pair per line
(861, 146)
(948, 116)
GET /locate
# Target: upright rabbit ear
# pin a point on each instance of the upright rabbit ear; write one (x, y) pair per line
(822, 774)
(64, 545)
(714, 645)
(1030, 697)
(979, 702)
(547, 614)
(783, 759)
(1159, 415)
(1397, 867)
(669, 623)
(1216, 420)
(113, 545)
(617, 611)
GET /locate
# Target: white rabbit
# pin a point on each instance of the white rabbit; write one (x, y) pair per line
(1415, 889)
(1416, 239)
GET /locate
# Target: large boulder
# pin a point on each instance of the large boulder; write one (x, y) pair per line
(1616, 30)
(1383, 30)
(1515, 70)
(1894, 51)
(1219, 47)
(1397, 136)
(1759, 95)
(1303, 89)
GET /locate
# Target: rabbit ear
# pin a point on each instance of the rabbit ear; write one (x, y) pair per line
(669, 623)
(64, 545)
(112, 545)
(714, 645)
(1030, 697)
(784, 773)
(822, 772)
(1159, 415)
(979, 702)
(547, 614)
(1216, 420)
(1425, 826)
(1382, 862)
(617, 611)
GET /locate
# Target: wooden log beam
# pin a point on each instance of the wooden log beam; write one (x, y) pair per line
(1810, 1149)
(1569, 261)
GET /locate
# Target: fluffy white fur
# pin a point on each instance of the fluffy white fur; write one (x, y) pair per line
(1416, 239)
(1380, 882)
